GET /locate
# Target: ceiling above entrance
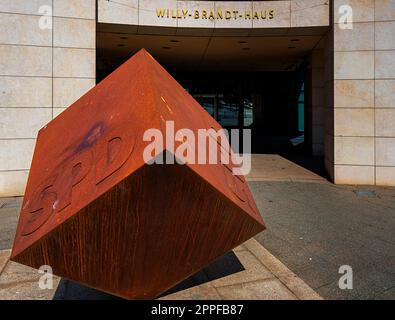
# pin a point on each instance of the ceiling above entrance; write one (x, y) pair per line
(194, 53)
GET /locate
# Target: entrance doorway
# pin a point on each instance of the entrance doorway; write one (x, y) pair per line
(229, 111)
(271, 104)
(246, 82)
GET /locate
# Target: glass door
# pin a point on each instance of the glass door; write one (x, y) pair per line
(208, 102)
(229, 111)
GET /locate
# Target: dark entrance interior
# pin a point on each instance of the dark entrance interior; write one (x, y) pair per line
(271, 104)
(260, 83)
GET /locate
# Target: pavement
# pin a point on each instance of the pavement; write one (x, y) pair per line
(314, 228)
(248, 272)
(273, 167)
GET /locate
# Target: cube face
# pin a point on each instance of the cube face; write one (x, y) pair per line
(137, 241)
(99, 215)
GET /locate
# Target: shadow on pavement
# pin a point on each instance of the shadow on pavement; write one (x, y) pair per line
(224, 266)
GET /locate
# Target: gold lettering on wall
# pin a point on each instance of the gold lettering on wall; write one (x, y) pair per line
(160, 13)
(212, 14)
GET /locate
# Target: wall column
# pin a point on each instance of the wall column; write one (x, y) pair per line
(42, 71)
(364, 99)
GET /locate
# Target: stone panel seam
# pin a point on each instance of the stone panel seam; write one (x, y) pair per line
(45, 77)
(6, 139)
(38, 107)
(341, 136)
(354, 165)
(40, 15)
(52, 52)
(374, 90)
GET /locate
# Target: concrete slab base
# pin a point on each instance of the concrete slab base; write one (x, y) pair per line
(273, 167)
(254, 275)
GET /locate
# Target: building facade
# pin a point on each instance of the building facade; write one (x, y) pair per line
(319, 68)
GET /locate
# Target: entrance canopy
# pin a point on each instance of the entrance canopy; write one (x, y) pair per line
(214, 15)
(224, 36)
(208, 53)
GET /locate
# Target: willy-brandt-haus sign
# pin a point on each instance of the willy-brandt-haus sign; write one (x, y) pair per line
(210, 13)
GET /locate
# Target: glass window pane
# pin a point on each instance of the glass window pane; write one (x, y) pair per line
(207, 103)
(228, 113)
(248, 114)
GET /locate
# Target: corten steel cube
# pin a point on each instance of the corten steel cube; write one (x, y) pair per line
(99, 215)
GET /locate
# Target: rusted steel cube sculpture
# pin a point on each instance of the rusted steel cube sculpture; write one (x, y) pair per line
(98, 214)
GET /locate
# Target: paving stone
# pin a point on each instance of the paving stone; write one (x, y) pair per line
(293, 256)
(239, 248)
(10, 202)
(254, 270)
(298, 287)
(9, 219)
(332, 291)
(338, 252)
(27, 291)
(385, 295)
(295, 284)
(15, 272)
(202, 292)
(19, 282)
(381, 248)
(272, 167)
(367, 284)
(319, 273)
(4, 256)
(376, 276)
(270, 289)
